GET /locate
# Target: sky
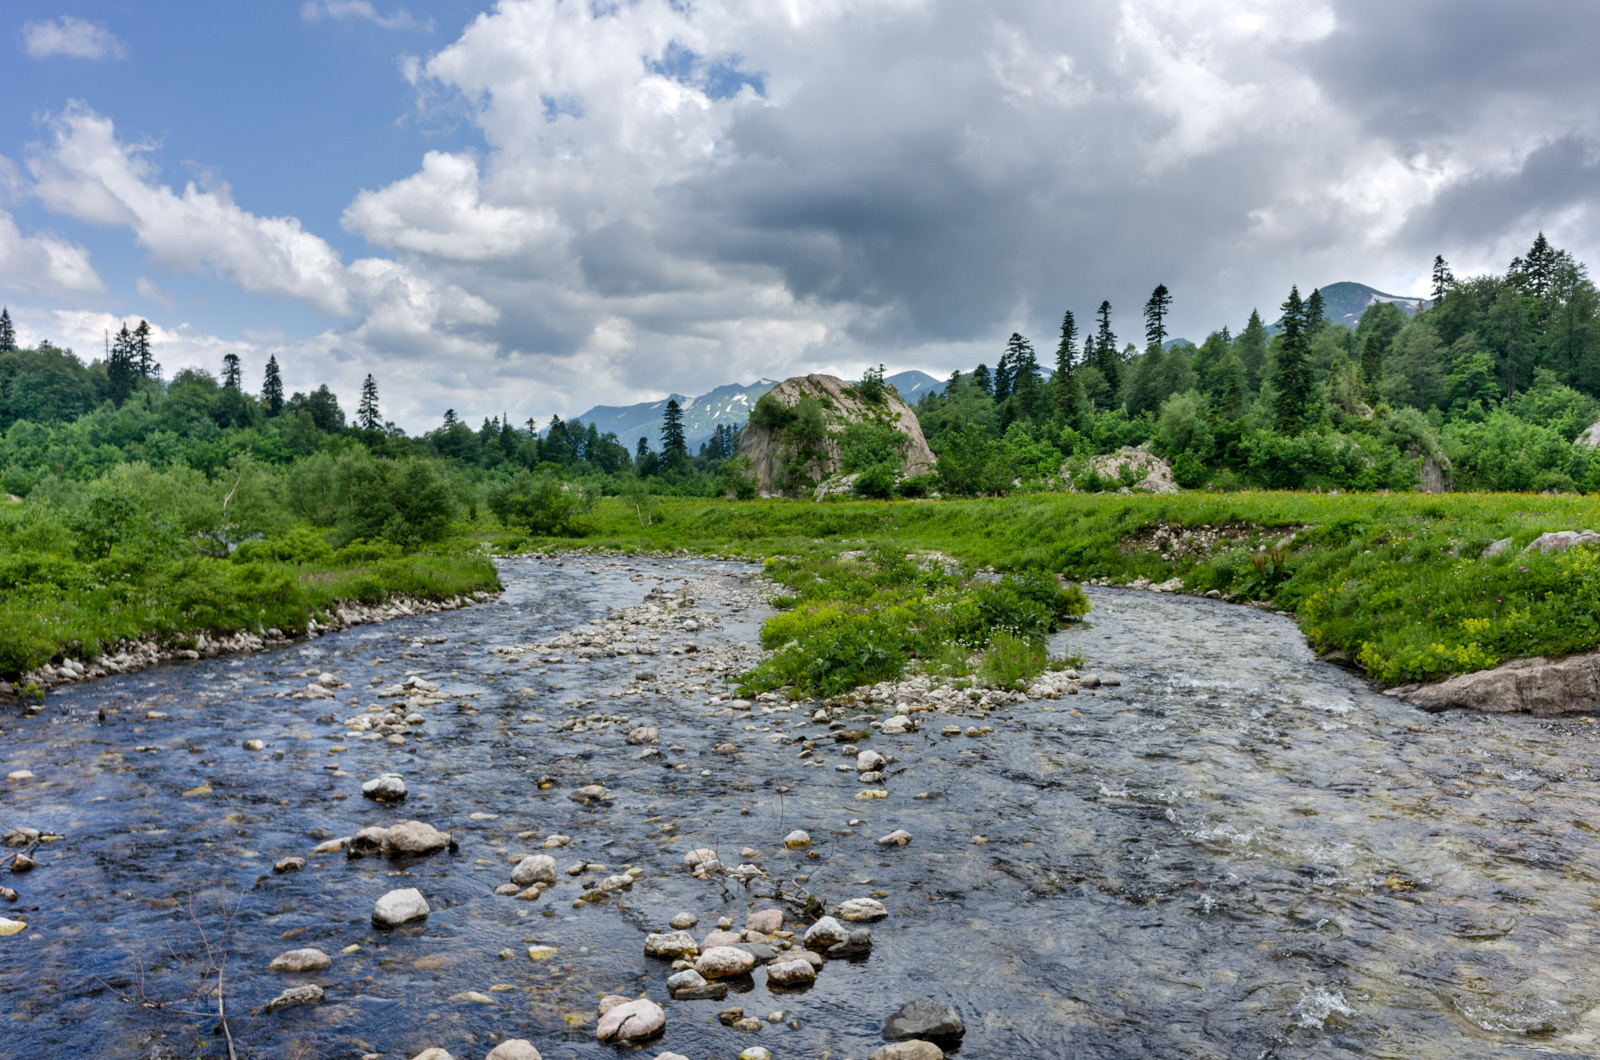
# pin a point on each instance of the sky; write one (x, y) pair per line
(536, 206)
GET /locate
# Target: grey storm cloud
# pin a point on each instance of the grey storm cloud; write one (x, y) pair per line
(667, 197)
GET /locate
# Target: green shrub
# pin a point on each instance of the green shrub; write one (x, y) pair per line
(539, 503)
(1012, 660)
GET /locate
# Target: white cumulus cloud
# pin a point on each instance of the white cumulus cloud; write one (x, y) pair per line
(74, 38)
(343, 10)
(43, 264)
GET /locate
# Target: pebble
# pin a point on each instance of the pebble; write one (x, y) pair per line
(673, 945)
(924, 1018)
(254, 745)
(643, 734)
(309, 994)
(473, 996)
(514, 1049)
(896, 838)
(399, 907)
(702, 859)
(791, 973)
(631, 1021)
(862, 909)
(20, 775)
(859, 942)
(868, 761)
(307, 960)
(591, 793)
(797, 838)
(431, 1054)
(551, 842)
(725, 962)
(414, 837)
(535, 868)
(720, 937)
(684, 921)
(10, 927)
(755, 1052)
(386, 787)
(898, 725)
(289, 864)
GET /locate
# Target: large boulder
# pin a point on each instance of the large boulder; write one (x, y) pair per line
(1149, 473)
(1523, 686)
(1590, 437)
(780, 460)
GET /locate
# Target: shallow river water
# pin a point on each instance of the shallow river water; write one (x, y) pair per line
(1238, 852)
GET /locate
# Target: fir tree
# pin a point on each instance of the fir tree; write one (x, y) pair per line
(643, 450)
(1539, 268)
(673, 447)
(1292, 378)
(1316, 316)
(450, 419)
(272, 388)
(230, 371)
(1251, 346)
(8, 334)
(143, 359)
(1066, 358)
(1024, 374)
(367, 416)
(1443, 279)
(983, 380)
(1155, 315)
(1005, 372)
(121, 368)
(1106, 358)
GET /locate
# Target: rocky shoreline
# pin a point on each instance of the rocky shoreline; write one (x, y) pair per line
(129, 656)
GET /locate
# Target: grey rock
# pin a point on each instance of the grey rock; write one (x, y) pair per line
(642, 735)
(289, 864)
(591, 793)
(1496, 548)
(399, 907)
(514, 1049)
(765, 921)
(414, 837)
(910, 1050)
(862, 909)
(791, 973)
(306, 960)
(896, 838)
(309, 994)
(859, 942)
(825, 933)
(1561, 540)
(535, 868)
(674, 945)
(386, 787)
(759, 950)
(725, 962)
(631, 1022)
(1522, 686)
(684, 921)
(924, 1018)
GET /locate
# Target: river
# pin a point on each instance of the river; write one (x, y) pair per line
(1238, 852)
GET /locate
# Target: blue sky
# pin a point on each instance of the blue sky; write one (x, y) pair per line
(540, 205)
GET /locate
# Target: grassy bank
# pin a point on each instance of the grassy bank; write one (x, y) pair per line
(1391, 582)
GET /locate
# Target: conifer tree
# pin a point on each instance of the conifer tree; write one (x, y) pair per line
(1251, 346)
(230, 371)
(8, 334)
(1292, 378)
(673, 447)
(1315, 315)
(121, 368)
(1443, 279)
(982, 378)
(272, 388)
(143, 359)
(1066, 363)
(367, 415)
(1155, 315)
(450, 419)
(1005, 372)
(1106, 357)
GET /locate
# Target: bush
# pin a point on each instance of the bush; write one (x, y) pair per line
(876, 482)
(1011, 660)
(539, 503)
(301, 544)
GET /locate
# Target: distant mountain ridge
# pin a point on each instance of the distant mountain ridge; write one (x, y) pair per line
(1345, 301)
(730, 404)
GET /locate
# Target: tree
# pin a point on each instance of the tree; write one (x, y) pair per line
(983, 380)
(1443, 279)
(272, 388)
(1155, 315)
(1292, 378)
(121, 370)
(143, 359)
(1106, 358)
(1251, 346)
(450, 419)
(1068, 392)
(1316, 316)
(367, 416)
(1538, 268)
(8, 334)
(230, 371)
(1375, 334)
(674, 450)
(871, 387)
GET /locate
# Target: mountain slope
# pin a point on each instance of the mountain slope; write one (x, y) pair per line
(913, 384)
(729, 404)
(1344, 302)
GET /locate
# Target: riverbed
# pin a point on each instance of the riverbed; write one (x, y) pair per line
(1237, 852)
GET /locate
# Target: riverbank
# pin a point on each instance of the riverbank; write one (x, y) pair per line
(1408, 587)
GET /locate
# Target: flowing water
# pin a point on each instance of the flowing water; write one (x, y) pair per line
(1239, 852)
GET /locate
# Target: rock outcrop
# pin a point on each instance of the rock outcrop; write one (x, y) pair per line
(777, 461)
(1590, 437)
(1522, 686)
(1154, 475)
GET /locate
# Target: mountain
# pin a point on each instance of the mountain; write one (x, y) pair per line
(1344, 302)
(730, 404)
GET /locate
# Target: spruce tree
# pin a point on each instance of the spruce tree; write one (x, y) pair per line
(1539, 267)
(1005, 372)
(673, 447)
(121, 369)
(272, 388)
(1155, 315)
(450, 419)
(1106, 357)
(1292, 378)
(1251, 345)
(982, 378)
(143, 360)
(1316, 316)
(230, 371)
(1443, 279)
(367, 416)
(1066, 357)
(8, 334)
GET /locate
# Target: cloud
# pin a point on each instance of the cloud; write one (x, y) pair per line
(344, 10)
(43, 264)
(150, 290)
(73, 38)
